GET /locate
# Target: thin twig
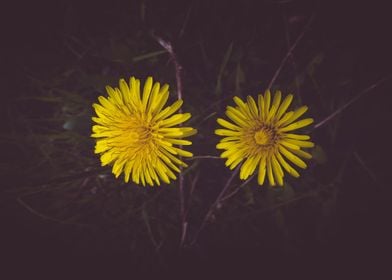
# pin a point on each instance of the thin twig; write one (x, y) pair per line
(169, 48)
(204, 157)
(35, 212)
(215, 204)
(237, 189)
(149, 230)
(301, 35)
(185, 21)
(363, 92)
(293, 63)
(184, 223)
(364, 165)
(44, 185)
(276, 206)
(193, 186)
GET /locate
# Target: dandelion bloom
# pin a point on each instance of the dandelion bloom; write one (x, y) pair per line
(260, 134)
(137, 135)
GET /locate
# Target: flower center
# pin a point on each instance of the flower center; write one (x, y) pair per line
(264, 137)
(143, 134)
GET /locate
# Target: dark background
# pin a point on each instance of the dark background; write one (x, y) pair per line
(354, 40)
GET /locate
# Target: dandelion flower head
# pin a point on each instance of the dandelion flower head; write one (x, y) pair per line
(260, 135)
(137, 135)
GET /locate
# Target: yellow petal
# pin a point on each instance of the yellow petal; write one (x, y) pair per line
(286, 166)
(118, 167)
(278, 172)
(124, 87)
(289, 145)
(136, 171)
(117, 98)
(293, 158)
(238, 154)
(260, 101)
(229, 154)
(227, 124)
(252, 106)
(176, 119)
(277, 99)
(270, 174)
(154, 175)
(300, 143)
(107, 158)
(243, 107)
(236, 117)
(101, 146)
(248, 167)
(169, 132)
(302, 154)
(262, 171)
(271, 114)
(101, 112)
(228, 145)
(170, 173)
(187, 131)
(297, 136)
(297, 113)
(147, 90)
(134, 90)
(284, 118)
(153, 98)
(169, 159)
(161, 170)
(168, 111)
(226, 132)
(267, 102)
(127, 170)
(112, 94)
(297, 125)
(148, 177)
(179, 141)
(230, 138)
(235, 163)
(183, 152)
(159, 102)
(283, 107)
(106, 104)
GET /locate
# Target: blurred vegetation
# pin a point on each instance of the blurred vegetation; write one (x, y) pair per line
(60, 188)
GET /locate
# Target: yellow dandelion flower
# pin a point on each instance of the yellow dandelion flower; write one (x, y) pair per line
(260, 135)
(137, 135)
